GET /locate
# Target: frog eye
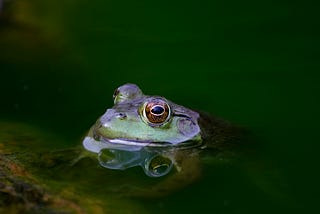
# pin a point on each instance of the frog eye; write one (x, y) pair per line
(156, 112)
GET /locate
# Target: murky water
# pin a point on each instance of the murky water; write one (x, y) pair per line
(252, 64)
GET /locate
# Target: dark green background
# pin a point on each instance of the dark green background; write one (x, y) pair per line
(255, 63)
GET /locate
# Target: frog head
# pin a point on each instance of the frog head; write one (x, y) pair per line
(142, 120)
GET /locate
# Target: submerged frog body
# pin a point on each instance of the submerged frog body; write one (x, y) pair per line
(143, 130)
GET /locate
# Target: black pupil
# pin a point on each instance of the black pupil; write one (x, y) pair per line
(157, 110)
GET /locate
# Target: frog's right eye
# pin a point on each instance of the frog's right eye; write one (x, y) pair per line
(156, 112)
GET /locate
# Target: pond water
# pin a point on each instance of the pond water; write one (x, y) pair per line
(253, 63)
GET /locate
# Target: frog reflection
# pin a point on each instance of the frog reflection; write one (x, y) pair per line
(154, 162)
(142, 130)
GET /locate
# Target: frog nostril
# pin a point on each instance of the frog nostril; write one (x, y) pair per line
(121, 116)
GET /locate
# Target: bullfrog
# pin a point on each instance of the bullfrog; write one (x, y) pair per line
(149, 131)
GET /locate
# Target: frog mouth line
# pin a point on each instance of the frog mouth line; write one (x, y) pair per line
(182, 145)
(135, 142)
